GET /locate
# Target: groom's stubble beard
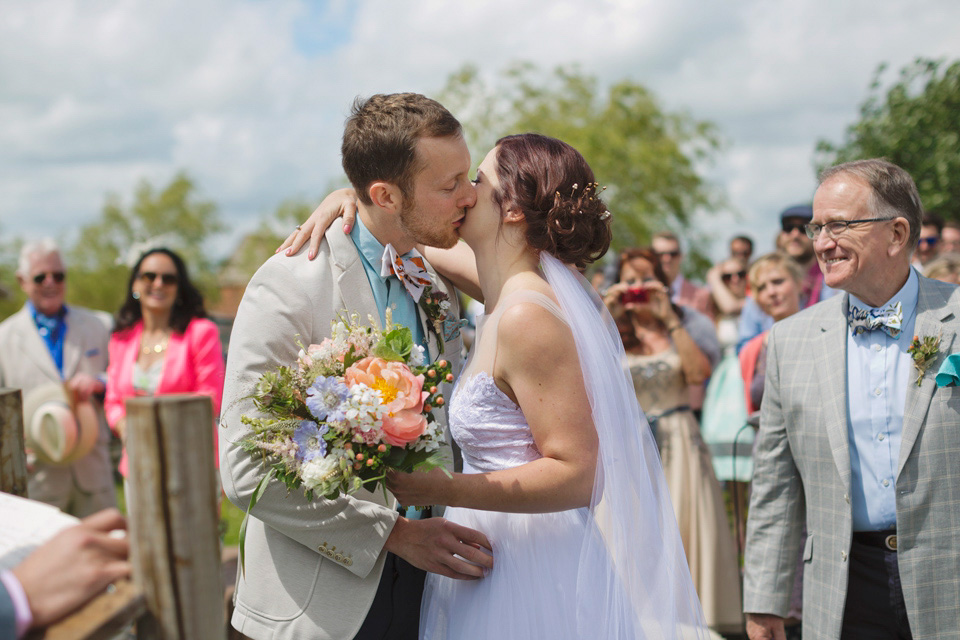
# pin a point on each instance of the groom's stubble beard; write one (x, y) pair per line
(416, 224)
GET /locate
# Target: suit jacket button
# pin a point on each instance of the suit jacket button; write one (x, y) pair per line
(338, 557)
(348, 562)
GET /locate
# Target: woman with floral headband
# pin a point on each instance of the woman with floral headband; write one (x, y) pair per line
(556, 471)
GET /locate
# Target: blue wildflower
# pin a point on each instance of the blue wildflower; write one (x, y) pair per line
(309, 439)
(324, 398)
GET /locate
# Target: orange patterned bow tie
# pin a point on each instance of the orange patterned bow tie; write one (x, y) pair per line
(409, 269)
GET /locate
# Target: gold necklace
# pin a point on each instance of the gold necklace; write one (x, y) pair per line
(159, 347)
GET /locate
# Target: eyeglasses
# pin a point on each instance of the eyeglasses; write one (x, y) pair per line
(168, 279)
(727, 277)
(670, 254)
(930, 242)
(790, 227)
(836, 227)
(57, 276)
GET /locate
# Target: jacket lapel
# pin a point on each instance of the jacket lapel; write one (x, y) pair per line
(832, 368)
(932, 314)
(428, 332)
(33, 347)
(351, 278)
(72, 348)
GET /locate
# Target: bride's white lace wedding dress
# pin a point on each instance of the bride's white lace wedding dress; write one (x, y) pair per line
(569, 574)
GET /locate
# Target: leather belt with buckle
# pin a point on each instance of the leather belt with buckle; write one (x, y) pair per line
(883, 539)
(890, 542)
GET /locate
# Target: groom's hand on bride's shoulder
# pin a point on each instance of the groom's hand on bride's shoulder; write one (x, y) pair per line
(440, 546)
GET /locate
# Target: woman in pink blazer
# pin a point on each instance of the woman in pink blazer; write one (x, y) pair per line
(163, 342)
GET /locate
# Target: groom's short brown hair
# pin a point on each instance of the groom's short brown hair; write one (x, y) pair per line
(381, 134)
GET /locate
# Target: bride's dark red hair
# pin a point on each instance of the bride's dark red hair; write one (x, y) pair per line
(551, 183)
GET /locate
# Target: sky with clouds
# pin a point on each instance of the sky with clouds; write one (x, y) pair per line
(249, 96)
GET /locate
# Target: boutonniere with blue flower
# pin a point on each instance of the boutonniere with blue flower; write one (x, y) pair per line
(924, 351)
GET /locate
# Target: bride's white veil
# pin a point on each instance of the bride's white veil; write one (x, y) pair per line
(633, 575)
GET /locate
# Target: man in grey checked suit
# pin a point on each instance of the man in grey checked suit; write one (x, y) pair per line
(50, 342)
(849, 443)
(340, 569)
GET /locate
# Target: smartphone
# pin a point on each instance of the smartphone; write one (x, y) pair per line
(635, 295)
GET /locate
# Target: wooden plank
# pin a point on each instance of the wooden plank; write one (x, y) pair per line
(146, 518)
(173, 514)
(101, 619)
(13, 460)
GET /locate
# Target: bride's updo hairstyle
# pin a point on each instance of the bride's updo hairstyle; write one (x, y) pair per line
(551, 183)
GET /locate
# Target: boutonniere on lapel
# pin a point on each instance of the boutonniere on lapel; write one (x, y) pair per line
(436, 304)
(924, 352)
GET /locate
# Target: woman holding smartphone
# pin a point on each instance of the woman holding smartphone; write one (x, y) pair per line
(664, 360)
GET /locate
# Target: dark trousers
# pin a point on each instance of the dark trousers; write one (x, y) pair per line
(395, 612)
(875, 609)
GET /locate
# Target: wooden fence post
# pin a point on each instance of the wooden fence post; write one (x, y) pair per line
(173, 517)
(13, 460)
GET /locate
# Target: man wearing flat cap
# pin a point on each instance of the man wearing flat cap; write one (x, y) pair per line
(48, 343)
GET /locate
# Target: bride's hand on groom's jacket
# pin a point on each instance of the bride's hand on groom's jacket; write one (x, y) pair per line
(440, 546)
(340, 203)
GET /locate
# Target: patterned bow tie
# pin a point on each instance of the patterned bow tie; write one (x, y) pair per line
(888, 318)
(409, 269)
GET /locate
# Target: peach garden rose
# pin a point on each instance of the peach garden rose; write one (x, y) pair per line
(402, 394)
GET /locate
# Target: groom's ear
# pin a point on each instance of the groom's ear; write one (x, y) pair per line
(386, 196)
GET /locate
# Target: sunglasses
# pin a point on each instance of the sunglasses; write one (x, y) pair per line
(57, 276)
(168, 279)
(930, 242)
(670, 254)
(790, 227)
(727, 277)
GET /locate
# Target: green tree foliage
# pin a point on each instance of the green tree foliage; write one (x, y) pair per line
(173, 216)
(11, 296)
(915, 123)
(256, 247)
(649, 159)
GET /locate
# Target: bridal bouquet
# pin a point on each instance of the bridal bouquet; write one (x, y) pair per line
(349, 409)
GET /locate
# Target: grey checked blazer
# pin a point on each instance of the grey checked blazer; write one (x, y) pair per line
(802, 475)
(312, 568)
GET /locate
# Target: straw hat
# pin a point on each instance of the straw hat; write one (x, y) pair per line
(58, 430)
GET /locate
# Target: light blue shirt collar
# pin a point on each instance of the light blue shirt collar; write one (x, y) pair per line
(907, 296)
(369, 247)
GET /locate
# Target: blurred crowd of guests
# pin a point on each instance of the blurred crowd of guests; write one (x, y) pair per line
(77, 367)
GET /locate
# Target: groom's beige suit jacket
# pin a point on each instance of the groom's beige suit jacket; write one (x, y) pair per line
(312, 568)
(802, 475)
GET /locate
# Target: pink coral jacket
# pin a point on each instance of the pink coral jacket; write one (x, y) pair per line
(193, 364)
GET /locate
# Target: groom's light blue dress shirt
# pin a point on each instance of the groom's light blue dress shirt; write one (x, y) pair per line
(879, 369)
(387, 290)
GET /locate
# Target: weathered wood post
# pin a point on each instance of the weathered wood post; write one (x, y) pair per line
(13, 460)
(173, 517)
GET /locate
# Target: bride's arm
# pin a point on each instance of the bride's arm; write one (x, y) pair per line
(537, 359)
(458, 264)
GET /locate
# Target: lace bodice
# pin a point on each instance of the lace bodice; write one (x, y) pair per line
(490, 429)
